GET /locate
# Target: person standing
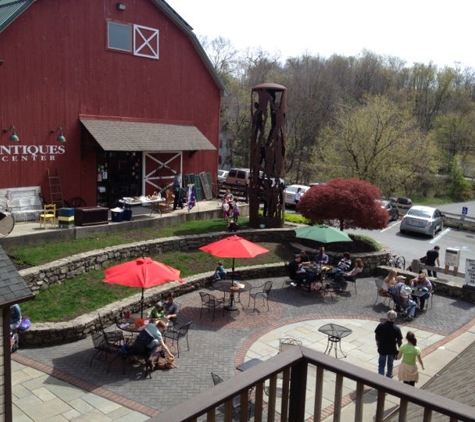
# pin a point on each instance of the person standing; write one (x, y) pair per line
(15, 316)
(298, 195)
(408, 372)
(432, 257)
(388, 338)
(177, 191)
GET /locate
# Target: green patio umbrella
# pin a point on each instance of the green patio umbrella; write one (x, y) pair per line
(322, 234)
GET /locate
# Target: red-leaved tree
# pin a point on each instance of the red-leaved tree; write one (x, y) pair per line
(351, 202)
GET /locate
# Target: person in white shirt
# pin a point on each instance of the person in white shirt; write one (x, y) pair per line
(298, 195)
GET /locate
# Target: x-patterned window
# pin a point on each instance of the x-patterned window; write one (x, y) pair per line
(139, 40)
(145, 42)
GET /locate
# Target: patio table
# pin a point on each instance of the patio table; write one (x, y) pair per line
(228, 287)
(335, 333)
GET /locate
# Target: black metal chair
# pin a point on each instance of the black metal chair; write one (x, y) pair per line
(381, 293)
(211, 302)
(342, 281)
(176, 332)
(236, 400)
(105, 347)
(261, 291)
(115, 336)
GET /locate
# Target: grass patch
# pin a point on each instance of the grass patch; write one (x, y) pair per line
(34, 255)
(86, 293)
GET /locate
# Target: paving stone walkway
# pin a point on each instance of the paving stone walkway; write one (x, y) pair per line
(217, 346)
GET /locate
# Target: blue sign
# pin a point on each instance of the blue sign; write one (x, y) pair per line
(464, 210)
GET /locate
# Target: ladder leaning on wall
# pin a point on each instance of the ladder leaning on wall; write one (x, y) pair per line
(55, 189)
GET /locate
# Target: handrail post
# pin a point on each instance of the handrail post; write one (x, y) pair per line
(298, 383)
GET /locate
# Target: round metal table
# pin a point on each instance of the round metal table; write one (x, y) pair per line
(335, 333)
(227, 287)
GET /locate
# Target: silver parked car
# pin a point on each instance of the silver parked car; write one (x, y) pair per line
(222, 175)
(421, 219)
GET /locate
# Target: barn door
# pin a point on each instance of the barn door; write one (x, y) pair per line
(159, 169)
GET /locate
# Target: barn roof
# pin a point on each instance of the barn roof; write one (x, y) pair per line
(119, 135)
(11, 9)
(13, 288)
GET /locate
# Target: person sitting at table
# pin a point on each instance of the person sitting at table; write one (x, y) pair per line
(220, 273)
(170, 308)
(422, 283)
(304, 256)
(343, 266)
(150, 339)
(407, 305)
(299, 274)
(389, 282)
(321, 258)
(156, 312)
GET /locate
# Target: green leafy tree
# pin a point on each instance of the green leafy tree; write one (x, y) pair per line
(459, 187)
(378, 141)
(351, 202)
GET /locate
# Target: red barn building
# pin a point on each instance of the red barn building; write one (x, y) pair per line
(115, 96)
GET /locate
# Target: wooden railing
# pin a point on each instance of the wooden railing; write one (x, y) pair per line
(292, 383)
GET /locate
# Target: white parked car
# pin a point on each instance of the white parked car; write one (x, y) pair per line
(222, 174)
(290, 192)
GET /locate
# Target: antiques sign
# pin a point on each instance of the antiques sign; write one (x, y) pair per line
(18, 153)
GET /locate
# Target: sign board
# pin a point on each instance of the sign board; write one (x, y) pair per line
(464, 210)
(470, 272)
(452, 257)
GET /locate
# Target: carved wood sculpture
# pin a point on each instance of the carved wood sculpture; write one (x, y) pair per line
(268, 140)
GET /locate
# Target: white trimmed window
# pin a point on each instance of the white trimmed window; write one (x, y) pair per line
(139, 40)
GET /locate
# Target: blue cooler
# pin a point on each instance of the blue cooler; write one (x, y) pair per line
(117, 216)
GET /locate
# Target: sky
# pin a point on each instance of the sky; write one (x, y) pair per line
(417, 31)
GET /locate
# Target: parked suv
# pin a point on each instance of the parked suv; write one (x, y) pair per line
(401, 201)
(238, 176)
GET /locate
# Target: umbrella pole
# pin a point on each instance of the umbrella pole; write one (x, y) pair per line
(232, 278)
(141, 304)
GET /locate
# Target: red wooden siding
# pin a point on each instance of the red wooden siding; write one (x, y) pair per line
(57, 67)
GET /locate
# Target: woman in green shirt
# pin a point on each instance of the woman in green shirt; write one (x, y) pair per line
(408, 372)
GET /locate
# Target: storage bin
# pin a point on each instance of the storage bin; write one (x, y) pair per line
(127, 215)
(117, 216)
(66, 219)
(66, 212)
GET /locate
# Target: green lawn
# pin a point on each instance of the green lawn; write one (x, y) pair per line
(87, 292)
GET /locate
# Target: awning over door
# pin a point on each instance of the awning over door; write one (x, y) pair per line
(113, 135)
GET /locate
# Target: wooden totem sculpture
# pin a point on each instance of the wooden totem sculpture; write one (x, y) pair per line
(268, 139)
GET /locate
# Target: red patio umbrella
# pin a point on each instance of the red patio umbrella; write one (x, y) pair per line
(142, 273)
(234, 247)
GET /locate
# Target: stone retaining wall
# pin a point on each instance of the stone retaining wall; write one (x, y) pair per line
(44, 276)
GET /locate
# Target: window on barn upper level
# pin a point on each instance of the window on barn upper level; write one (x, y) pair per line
(139, 40)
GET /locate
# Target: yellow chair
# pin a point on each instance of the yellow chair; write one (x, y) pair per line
(49, 213)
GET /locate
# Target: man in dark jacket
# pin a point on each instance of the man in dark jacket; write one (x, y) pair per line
(432, 257)
(177, 191)
(388, 339)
